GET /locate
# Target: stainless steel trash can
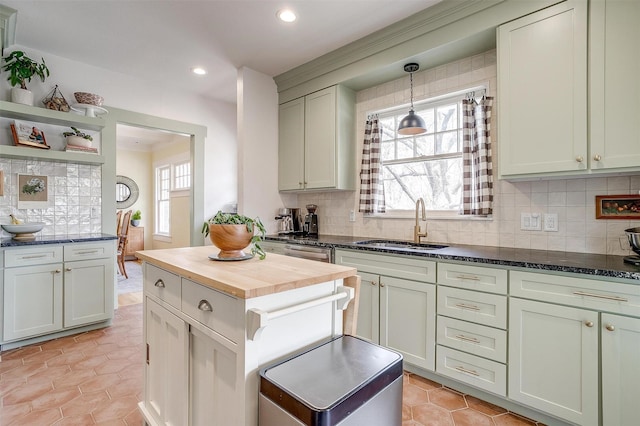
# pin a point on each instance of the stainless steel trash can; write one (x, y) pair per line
(346, 381)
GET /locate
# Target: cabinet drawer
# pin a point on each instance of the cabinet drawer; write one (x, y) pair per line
(475, 371)
(482, 308)
(473, 277)
(416, 269)
(577, 291)
(91, 250)
(36, 255)
(162, 284)
(477, 339)
(216, 310)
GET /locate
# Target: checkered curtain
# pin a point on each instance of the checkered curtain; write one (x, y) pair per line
(371, 187)
(477, 193)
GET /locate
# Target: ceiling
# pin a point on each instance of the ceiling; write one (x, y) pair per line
(160, 41)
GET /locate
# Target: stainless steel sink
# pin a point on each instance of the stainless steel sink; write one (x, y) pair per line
(399, 245)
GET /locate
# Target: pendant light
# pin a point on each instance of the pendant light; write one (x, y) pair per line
(412, 124)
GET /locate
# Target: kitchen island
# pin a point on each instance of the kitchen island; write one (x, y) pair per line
(209, 327)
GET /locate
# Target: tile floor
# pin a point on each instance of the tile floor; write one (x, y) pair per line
(96, 378)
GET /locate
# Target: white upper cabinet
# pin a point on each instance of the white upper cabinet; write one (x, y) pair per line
(316, 141)
(542, 81)
(615, 84)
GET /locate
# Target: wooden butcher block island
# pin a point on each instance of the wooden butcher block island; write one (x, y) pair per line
(209, 327)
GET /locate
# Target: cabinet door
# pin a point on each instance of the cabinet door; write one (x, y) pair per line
(88, 291)
(320, 139)
(369, 308)
(615, 86)
(408, 319)
(620, 369)
(213, 392)
(291, 145)
(32, 301)
(542, 80)
(553, 359)
(167, 369)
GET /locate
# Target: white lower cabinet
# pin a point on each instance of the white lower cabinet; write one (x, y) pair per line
(620, 369)
(369, 307)
(53, 288)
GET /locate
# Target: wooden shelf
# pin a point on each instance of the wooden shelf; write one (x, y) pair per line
(9, 151)
(48, 116)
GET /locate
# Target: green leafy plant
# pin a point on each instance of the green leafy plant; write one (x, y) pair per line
(78, 133)
(22, 69)
(137, 215)
(221, 218)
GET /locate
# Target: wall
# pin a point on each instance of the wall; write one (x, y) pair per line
(572, 199)
(137, 166)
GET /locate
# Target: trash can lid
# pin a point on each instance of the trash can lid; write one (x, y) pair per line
(331, 373)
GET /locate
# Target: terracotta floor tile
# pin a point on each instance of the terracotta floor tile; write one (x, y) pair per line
(66, 359)
(23, 371)
(125, 353)
(105, 348)
(446, 398)
(73, 378)
(63, 342)
(125, 387)
(470, 417)
(406, 412)
(134, 418)
(484, 406)
(89, 335)
(432, 415)
(7, 386)
(26, 392)
(50, 373)
(8, 364)
(80, 346)
(9, 413)
(19, 353)
(90, 362)
(86, 403)
(413, 395)
(81, 420)
(101, 382)
(423, 383)
(55, 398)
(510, 419)
(42, 356)
(117, 408)
(40, 417)
(110, 366)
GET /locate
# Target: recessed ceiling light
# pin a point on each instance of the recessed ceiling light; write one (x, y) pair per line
(199, 71)
(286, 15)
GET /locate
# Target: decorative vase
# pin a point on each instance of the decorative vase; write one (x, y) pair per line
(78, 141)
(230, 239)
(135, 222)
(21, 96)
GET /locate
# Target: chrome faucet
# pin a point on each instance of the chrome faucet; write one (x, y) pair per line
(417, 234)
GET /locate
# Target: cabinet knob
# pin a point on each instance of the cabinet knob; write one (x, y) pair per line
(609, 327)
(205, 306)
(58, 271)
(373, 283)
(68, 269)
(159, 283)
(381, 284)
(597, 157)
(589, 323)
(579, 159)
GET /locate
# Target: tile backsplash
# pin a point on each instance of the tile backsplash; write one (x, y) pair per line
(74, 198)
(573, 200)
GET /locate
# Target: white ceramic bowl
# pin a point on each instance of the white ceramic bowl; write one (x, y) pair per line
(78, 141)
(25, 228)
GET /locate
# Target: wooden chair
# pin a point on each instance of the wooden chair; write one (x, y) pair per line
(118, 220)
(123, 235)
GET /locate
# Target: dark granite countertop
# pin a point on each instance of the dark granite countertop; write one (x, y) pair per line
(56, 239)
(581, 263)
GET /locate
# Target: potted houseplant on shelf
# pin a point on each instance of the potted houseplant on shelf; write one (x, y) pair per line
(78, 138)
(21, 69)
(135, 218)
(231, 233)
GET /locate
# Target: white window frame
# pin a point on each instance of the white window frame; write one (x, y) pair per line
(176, 177)
(159, 169)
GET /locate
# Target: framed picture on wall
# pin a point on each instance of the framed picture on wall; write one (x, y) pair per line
(33, 192)
(618, 206)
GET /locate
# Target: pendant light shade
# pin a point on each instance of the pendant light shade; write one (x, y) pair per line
(412, 124)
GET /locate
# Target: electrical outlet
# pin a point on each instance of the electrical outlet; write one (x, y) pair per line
(550, 222)
(352, 215)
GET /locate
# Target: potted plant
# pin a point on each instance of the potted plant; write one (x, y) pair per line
(78, 138)
(135, 218)
(231, 233)
(21, 69)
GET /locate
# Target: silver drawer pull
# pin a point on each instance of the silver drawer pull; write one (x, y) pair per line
(464, 370)
(468, 277)
(600, 296)
(35, 256)
(205, 306)
(467, 339)
(87, 252)
(465, 306)
(159, 283)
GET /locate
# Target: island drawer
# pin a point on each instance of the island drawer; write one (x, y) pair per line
(162, 284)
(34, 255)
(218, 311)
(479, 372)
(575, 291)
(416, 269)
(91, 250)
(477, 339)
(479, 278)
(481, 308)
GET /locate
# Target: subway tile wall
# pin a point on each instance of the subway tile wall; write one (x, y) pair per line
(573, 200)
(75, 196)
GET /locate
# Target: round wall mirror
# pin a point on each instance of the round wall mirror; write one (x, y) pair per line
(126, 192)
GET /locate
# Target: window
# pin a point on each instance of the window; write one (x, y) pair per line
(163, 203)
(427, 165)
(182, 176)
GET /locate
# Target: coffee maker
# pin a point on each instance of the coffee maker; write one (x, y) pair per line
(289, 221)
(310, 226)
